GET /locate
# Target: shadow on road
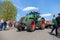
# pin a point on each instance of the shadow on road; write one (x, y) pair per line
(54, 35)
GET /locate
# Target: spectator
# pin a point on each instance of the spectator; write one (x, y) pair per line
(54, 24)
(14, 23)
(2, 21)
(0, 25)
(11, 23)
(58, 23)
(4, 25)
(7, 24)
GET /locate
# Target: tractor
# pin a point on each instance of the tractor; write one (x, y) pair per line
(31, 21)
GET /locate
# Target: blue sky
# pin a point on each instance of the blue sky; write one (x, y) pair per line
(44, 7)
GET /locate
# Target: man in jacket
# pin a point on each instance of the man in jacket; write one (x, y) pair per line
(58, 23)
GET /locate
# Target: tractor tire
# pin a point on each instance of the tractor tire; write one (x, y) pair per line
(20, 27)
(40, 25)
(31, 25)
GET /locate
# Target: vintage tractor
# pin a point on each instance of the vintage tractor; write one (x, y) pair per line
(31, 21)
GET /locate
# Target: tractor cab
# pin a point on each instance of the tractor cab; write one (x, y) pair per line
(33, 15)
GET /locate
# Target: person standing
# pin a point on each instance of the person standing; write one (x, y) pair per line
(58, 23)
(54, 25)
(7, 24)
(4, 25)
(0, 26)
(2, 21)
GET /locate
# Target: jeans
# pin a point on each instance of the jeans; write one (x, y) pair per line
(4, 27)
(1, 27)
(54, 28)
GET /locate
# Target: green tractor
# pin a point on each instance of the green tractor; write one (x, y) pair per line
(31, 21)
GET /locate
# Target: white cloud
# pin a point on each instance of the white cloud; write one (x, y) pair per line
(30, 8)
(45, 15)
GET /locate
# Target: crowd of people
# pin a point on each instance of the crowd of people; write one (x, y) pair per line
(5, 24)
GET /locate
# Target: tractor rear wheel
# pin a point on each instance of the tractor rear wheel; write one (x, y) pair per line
(41, 25)
(20, 28)
(31, 25)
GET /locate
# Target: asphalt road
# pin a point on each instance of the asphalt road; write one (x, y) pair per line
(12, 34)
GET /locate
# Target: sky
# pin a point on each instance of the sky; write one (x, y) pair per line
(46, 8)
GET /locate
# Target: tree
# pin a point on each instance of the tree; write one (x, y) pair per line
(7, 10)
